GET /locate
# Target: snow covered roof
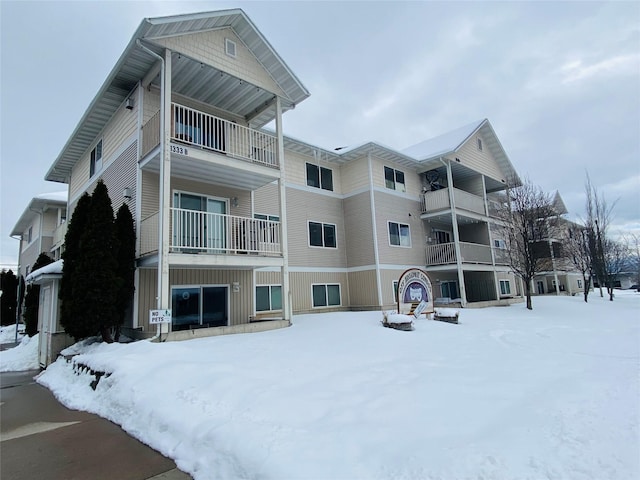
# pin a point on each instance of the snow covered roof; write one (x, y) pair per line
(443, 144)
(54, 268)
(39, 203)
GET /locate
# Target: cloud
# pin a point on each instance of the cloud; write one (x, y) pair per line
(620, 64)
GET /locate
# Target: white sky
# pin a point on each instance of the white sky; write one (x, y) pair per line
(559, 82)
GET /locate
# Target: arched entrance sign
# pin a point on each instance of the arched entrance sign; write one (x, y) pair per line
(414, 293)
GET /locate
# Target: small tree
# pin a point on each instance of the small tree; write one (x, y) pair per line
(633, 242)
(70, 312)
(615, 255)
(577, 248)
(529, 216)
(32, 298)
(9, 298)
(95, 282)
(125, 259)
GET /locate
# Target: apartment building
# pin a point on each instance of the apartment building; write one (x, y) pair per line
(236, 223)
(40, 229)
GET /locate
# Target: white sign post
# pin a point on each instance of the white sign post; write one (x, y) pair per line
(156, 317)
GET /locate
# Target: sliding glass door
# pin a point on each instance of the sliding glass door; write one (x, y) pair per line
(200, 223)
(200, 306)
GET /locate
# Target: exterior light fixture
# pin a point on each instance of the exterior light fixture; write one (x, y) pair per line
(128, 104)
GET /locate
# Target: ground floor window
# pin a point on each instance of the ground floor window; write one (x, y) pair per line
(505, 287)
(199, 306)
(326, 295)
(395, 291)
(268, 297)
(579, 283)
(449, 289)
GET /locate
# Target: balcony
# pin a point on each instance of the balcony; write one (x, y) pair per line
(58, 235)
(445, 254)
(196, 232)
(439, 200)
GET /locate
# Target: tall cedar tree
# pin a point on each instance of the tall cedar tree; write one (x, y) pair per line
(95, 282)
(71, 317)
(529, 215)
(9, 298)
(32, 298)
(125, 258)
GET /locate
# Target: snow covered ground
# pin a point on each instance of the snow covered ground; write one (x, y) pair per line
(506, 394)
(23, 356)
(8, 333)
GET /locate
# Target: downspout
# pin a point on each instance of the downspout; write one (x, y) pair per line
(376, 253)
(161, 253)
(456, 236)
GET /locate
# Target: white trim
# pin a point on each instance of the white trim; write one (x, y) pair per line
(362, 268)
(227, 43)
(319, 167)
(395, 182)
(326, 295)
(255, 297)
(317, 191)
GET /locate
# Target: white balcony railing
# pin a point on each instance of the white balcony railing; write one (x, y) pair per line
(445, 253)
(214, 233)
(212, 133)
(439, 200)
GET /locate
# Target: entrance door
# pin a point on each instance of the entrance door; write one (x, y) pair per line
(540, 286)
(45, 326)
(195, 307)
(449, 289)
(200, 223)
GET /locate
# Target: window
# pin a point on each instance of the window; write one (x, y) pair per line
(499, 243)
(394, 179)
(326, 295)
(399, 234)
(95, 164)
(449, 289)
(230, 47)
(505, 287)
(395, 291)
(322, 235)
(579, 283)
(261, 216)
(268, 297)
(30, 235)
(319, 177)
(479, 144)
(441, 236)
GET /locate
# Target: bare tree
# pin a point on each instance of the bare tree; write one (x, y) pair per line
(615, 256)
(529, 216)
(633, 242)
(577, 248)
(597, 226)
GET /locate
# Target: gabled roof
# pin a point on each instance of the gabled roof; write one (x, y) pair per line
(39, 203)
(451, 142)
(558, 204)
(135, 63)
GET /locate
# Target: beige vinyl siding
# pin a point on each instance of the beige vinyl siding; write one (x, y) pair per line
(49, 221)
(240, 303)
(268, 278)
(480, 161)
(120, 127)
(151, 105)
(301, 283)
(394, 208)
(471, 185)
(209, 48)
(359, 230)
(150, 194)
(355, 176)
(303, 207)
(362, 290)
(266, 200)
(296, 171)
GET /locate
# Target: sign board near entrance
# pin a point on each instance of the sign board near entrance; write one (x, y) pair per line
(159, 316)
(414, 293)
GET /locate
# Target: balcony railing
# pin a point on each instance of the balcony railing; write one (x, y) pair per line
(206, 131)
(439, 200)
(445, 253)
(213, 233)
(59, 234)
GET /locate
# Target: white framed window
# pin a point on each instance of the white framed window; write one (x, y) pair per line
(579, 283)
(499, 243)
(399, 234)
(479, 140)
(394, 286)
(394, 179)
(505, 287)
(268, 298)
(230, 47)
(325, 295)
(30, 235)
(95, 160)
(319, 177)
(263, 216)
(322, 235)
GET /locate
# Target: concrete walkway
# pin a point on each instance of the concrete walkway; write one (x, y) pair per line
(40, 438)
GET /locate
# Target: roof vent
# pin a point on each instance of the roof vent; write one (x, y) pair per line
(230, 47)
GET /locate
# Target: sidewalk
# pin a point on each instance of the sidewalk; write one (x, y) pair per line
(40, 438)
